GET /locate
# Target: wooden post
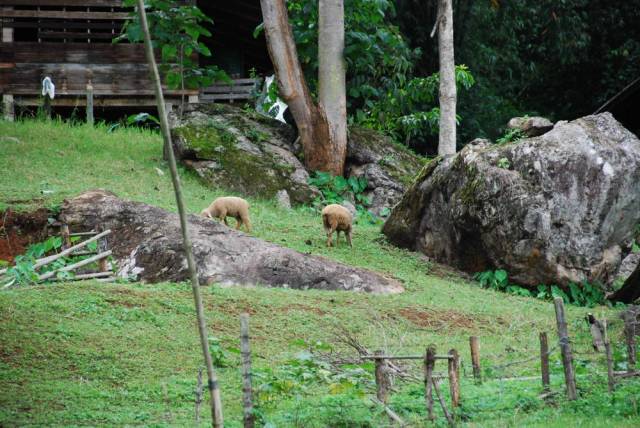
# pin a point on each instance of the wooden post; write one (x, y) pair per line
(7, 99)
(66, 239)
(565, 349)
(630, 337)
(247, 391)
(382, 378)
(607, 349)
(475, 358)
(8, 107)
(199, 390)
(429, 363)
(46, 107)
(544, 361)
(103, 264)
(89, 104)
(454, 377)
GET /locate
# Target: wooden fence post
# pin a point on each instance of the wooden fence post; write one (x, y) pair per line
(66, 238)
(247, 391)
(565, 349)
(199, 391)
(544, 361)
(630, 336)
(103, 264)
(475, 358)
(429, 363)
(607, 349)
(382, 378)
(89, 104)
(454, 377)
(8, 108)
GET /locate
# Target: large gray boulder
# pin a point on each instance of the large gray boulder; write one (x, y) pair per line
(147, 243)
(241, 151)
(254, 155)
(553, 209)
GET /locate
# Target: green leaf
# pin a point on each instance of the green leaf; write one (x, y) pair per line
(501, 275)
(557, 292)
(258, 30)
(169, 52)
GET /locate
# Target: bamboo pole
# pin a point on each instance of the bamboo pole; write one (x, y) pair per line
(212, 381)
(565, 349)
(474, 344)
(74, 266)
(247, 391)
(544, 361)
(86, 276)
(429, 363)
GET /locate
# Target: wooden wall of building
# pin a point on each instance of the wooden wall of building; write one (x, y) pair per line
(71, 42)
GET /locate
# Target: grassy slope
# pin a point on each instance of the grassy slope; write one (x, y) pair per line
(90, 353)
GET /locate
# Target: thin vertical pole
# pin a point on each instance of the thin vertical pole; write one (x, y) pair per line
(565, 348)
(544, 360)
(429, 363)
(199, 389)
(66, 238)
(607, 349)
(474, 344)
(212, 380)
(630, 336)
(247, 391)
(454, 374)
(8, 107)
(89, 104)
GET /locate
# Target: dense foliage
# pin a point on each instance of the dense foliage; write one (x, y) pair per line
(383, 92)
(176, 30)
(560, 59)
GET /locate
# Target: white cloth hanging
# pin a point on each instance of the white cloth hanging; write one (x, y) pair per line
(48, 88)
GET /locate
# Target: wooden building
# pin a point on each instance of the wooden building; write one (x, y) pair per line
(71, 42)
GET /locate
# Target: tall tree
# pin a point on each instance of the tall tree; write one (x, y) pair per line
(322, 127)
(448, 93)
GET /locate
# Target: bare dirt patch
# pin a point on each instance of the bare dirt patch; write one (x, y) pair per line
(19, 230)
(440, 319)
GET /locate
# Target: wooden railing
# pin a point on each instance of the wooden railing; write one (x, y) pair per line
(239, 89)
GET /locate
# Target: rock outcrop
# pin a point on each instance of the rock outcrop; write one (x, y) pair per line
(147, 243)
(257, 156)
(531, 126)
(553, 209)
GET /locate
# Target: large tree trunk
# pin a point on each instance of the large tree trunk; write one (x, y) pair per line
(320, 151)
(331, 77)
(447, 136)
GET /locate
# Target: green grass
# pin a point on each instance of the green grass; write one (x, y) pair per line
(95, 354)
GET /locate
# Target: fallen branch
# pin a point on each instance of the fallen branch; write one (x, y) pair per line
(75, 265)
(46, 260)
(393, 415)
(85, 276)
